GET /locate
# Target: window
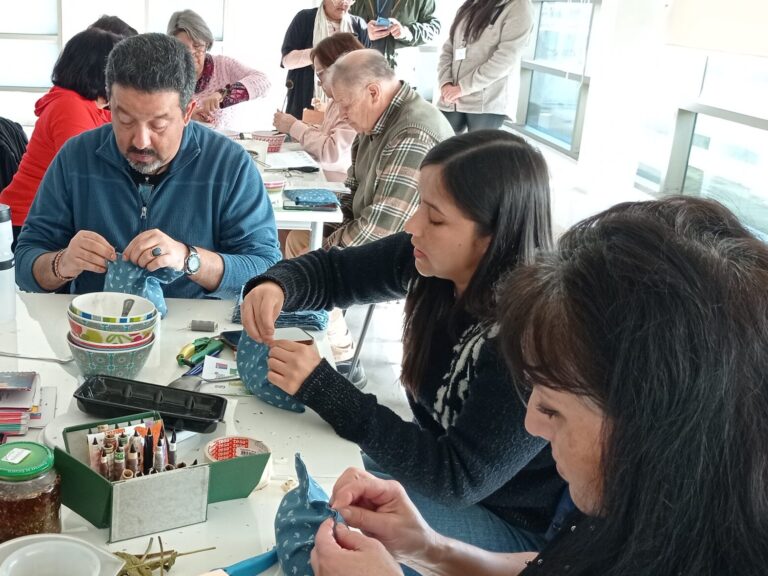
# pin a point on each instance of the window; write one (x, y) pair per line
(554, 82)
(722, 155)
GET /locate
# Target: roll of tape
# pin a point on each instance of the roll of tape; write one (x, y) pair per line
(228, 447)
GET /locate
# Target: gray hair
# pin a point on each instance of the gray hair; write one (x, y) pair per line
(359, 68)
(190, 22)
(152, 63)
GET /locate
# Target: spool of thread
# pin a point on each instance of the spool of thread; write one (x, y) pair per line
(159, 463)
(172, 449)
(104, 464)
(203, 326)
(118, 466)
(95, 455)
(132, 459)
(127, 474)
(169, 467)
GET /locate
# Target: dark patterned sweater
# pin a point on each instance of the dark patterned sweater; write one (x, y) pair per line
(467, 443)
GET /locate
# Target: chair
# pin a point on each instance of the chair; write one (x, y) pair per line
(13, 144)
(349, 368)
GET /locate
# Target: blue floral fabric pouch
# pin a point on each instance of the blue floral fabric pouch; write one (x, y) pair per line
(299, 516)
(125, 276)
(312, 197)
(252, 367)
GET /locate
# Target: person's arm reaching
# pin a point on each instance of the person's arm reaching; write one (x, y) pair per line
(330, 142)
(297, 59)
(238, 75)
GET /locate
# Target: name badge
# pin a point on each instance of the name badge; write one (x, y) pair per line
(459, 53)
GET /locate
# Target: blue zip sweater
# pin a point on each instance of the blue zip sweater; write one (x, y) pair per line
(212, 197)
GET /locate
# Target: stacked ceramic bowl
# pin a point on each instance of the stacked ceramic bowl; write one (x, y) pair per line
(274, 185)
(111, 333)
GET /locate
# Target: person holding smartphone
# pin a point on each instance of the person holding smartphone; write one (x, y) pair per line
(394, 24)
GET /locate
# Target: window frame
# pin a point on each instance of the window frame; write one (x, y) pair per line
(529, 65)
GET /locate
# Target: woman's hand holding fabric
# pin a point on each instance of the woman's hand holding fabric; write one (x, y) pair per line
(290, 364)
(259, 310)
(382, 510)
(340, 552)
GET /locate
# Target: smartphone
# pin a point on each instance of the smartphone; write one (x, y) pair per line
(231, 338)
(382, 21)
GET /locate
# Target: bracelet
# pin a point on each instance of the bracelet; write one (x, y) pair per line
(55, 267)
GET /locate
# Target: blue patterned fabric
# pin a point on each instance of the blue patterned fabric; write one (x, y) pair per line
(125, 276)
(252, 367)
(306, 319)
(312, 197)
(299, 516)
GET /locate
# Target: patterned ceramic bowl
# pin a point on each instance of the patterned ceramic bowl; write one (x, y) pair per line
(112, 327)
(108, 338)
(108, 307)
(121, 363)
(110, 345)
(274, 141)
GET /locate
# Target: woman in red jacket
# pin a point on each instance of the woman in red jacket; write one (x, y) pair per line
(75, 104)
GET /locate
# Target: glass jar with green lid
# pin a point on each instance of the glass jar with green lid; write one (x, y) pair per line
(30, 491)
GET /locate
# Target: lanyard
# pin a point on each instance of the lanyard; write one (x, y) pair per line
(382, 8)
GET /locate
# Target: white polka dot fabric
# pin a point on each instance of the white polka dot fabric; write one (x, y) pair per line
(125, 276)
(252, 367)
(299, 516)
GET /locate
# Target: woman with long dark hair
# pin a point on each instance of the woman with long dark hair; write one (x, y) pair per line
(484, 209)
(644, 341)
(76, 103)
(479, 67)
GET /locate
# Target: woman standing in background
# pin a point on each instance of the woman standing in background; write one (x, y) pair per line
(221, 81)
(479, 66)
(306, 30)
(331, 142)
(76, 103)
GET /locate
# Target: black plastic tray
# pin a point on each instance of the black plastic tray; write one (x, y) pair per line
(110, 397)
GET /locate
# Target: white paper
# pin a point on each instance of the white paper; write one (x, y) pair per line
(216, 368)
(287, 160)
(332, 186)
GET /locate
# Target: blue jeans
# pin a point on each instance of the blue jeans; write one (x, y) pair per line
(470, 122)
(475, 525)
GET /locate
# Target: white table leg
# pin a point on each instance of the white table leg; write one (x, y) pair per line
(316, 235)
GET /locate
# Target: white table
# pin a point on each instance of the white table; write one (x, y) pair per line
(238, 528)
(303, 219)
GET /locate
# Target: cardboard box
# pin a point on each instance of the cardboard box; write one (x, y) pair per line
(152, 503)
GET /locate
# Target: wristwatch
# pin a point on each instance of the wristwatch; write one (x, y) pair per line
(192, 261)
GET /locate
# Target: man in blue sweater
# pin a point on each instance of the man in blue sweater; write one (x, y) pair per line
(161, 190)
